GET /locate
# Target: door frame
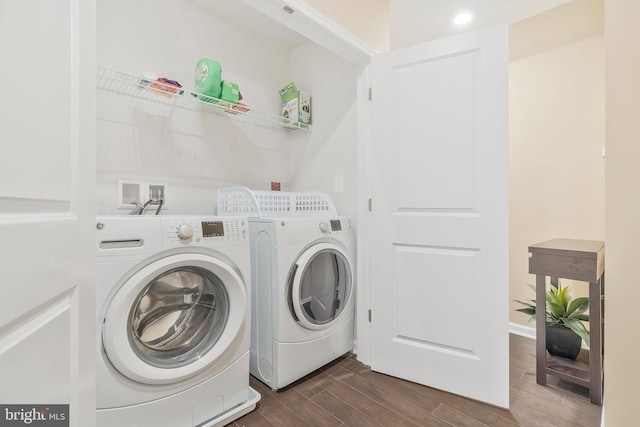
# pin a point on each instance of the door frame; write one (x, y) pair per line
(365, 189)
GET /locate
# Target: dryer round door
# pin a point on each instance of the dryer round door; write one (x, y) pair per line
(174, 318)
(321, 286)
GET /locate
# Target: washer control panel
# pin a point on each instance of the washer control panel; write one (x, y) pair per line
(187, 230)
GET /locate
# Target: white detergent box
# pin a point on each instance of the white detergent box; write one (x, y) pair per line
(304, 113)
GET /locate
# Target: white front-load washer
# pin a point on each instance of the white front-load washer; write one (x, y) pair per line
(173, 321)
(303, 295)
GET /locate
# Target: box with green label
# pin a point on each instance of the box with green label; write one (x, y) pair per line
(296, 105)
(230, 92)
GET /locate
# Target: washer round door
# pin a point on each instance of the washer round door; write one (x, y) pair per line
(174, 318)
(321, 286)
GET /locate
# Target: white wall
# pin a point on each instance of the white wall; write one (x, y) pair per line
(416, 21)
(366, 19)
(330, 150)
(202, 152)
(567, 23)
(621, 375)
(556, 171)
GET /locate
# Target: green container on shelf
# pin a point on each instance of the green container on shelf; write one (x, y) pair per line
(208, 78)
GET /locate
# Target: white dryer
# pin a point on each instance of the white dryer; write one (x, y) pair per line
(303, 296)
(173, 328)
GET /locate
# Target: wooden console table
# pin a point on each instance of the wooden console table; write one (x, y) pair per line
(576, 260)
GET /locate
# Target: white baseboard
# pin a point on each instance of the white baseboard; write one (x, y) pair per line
(529, 332)
(523, 331)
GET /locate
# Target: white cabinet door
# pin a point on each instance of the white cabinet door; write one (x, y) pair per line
(47, 177)
(439, 221)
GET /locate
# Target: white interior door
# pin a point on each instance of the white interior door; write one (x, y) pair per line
(47, 177)
(439, 222)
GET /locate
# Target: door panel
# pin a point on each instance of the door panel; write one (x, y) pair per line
(439, 293)
(41, 375)
(39, 76)
(419, 304)
(442, 149)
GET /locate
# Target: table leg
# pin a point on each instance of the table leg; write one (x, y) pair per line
(541, 332)
(595, 349)
(602, 313)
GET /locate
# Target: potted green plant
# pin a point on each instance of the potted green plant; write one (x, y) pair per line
(564, 317)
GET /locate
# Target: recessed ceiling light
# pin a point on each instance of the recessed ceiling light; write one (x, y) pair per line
(462, 18)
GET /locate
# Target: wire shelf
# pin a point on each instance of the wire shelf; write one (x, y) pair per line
(271, 204)
(161, 93)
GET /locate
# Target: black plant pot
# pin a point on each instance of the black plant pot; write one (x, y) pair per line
(563, 342)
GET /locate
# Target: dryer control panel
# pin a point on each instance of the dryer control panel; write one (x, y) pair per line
(334, 225)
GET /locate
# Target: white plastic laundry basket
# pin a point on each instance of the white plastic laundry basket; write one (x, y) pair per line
(271, 204)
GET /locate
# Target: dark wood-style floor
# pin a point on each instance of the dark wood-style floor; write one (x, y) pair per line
(347, 393)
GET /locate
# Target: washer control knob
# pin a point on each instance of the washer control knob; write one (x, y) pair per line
(324, 227)
(185, 231)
